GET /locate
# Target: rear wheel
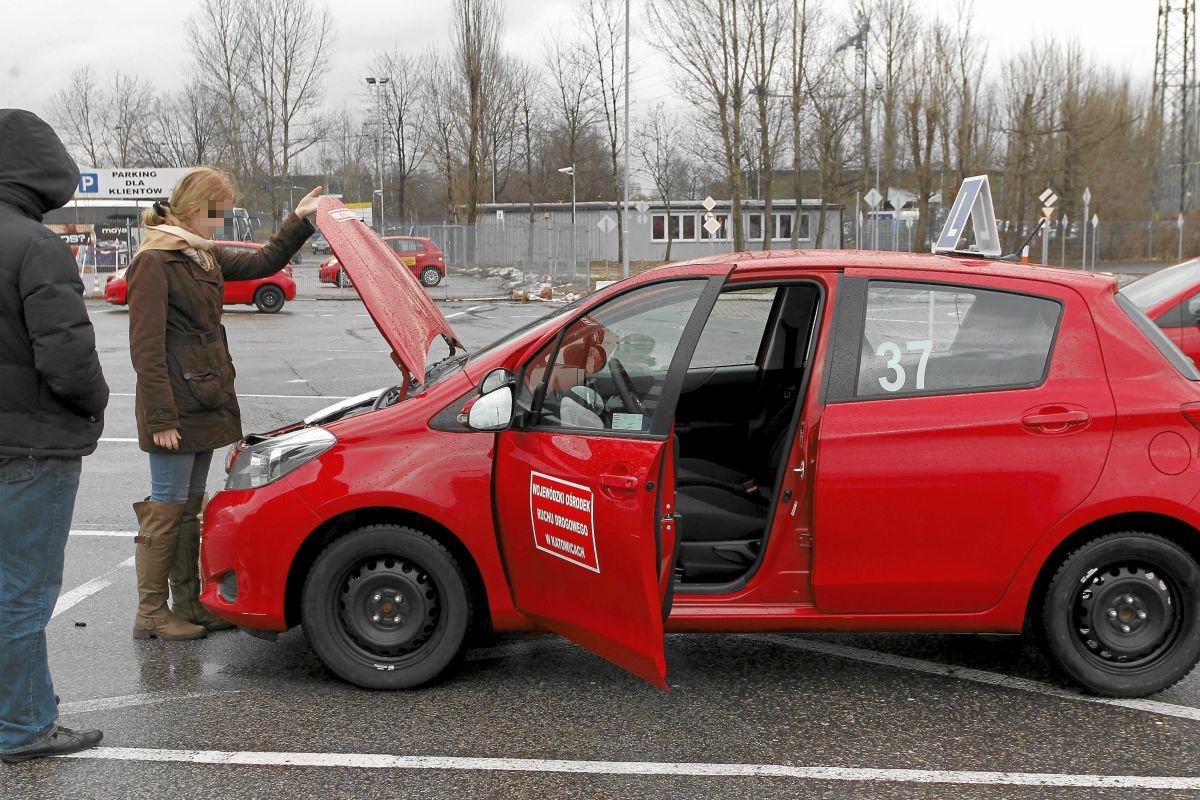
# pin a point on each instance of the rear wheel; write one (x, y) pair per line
(386, 607)
(430, 277)
(269, 299)
(1121, 616)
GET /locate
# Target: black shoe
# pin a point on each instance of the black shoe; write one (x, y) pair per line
(59, 743)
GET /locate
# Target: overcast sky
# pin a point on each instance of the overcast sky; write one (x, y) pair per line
(41, 43)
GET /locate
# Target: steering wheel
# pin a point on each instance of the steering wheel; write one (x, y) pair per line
(624, 386)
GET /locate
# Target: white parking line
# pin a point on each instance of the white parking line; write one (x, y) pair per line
(975, 675)
(132, 701)
(77, 595)
(83, 532)
(684, 769)
(115, 439)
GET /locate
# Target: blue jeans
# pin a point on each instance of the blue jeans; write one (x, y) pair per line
(176, 476)
(37, 499)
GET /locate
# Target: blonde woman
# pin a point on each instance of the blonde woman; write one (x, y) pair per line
(186, 406)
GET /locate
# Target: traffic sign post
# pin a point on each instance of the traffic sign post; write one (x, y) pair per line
(873, 199)
(1087, 199)
(1095, 237)
(1179, 224)
(1066, 229)
(1048, 198)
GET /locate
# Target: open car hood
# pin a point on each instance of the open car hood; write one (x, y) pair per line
(396, 301)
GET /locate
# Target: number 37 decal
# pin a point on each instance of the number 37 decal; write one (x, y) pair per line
(892, 352)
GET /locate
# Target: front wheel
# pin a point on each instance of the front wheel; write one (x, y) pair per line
(1121, 616)
(430, 277)
(269, 299)
(386, 607)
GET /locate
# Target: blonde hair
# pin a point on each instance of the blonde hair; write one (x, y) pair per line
(198, 190)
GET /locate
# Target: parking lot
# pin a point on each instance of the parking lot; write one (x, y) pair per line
(747, 715)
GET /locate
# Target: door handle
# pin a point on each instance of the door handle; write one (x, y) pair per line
(1055, 421)
(613, 481)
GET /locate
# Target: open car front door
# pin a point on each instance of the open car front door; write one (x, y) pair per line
(584, 487)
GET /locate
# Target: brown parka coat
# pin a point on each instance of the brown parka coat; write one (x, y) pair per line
(180, 354)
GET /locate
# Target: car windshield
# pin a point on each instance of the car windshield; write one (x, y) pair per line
(521, 331)
(1150, 291)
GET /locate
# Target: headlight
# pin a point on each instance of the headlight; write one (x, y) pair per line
(267, 462)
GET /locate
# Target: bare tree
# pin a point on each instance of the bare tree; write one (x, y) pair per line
(923, 107)
(476, 47)
(443, 101)
(765, 33)
(659, 146)
(570, 78)
(289, 48)
(799, 31)
(218, 36)
(604, 33)
(76, 112)
(895, 33)
(834, 109)
(706, 42)
(182, 131)
(127, 105)
(407, 128)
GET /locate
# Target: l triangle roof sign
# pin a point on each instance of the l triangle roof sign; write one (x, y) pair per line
(974, 204)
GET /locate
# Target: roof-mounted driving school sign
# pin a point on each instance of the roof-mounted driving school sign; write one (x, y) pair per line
(127, 184)
(974, 204)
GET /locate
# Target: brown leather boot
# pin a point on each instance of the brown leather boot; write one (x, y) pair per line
(185, 570)
(155, 551)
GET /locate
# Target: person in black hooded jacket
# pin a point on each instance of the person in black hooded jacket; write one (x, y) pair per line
(52, 400)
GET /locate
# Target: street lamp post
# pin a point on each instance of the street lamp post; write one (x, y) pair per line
(379, 83)
(574, 257)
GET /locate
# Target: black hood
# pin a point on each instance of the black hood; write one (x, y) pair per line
(36, 173)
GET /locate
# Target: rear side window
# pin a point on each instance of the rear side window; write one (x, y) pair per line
(1159, 339)
(929, 339)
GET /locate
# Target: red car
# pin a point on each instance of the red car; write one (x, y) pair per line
(420, 255)
(1171, 297)
(783, 441)
(268, 294)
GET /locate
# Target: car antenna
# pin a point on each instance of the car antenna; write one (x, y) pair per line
(1037, 229)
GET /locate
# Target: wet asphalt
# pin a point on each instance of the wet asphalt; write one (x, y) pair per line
(735, 699)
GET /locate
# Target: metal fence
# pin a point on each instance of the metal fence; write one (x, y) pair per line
(1109, 243)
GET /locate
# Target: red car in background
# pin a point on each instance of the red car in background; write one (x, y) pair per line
(417, 253)
(1171, 297)
(268, 294)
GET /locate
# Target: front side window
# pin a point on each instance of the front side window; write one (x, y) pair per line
(927, 339)
(608, 369)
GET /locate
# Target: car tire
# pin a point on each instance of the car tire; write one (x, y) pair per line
(373, 572)
(1121, 616)
(269, 299)
(343, 280)
(430, 277)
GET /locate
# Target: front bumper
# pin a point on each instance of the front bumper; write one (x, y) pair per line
(254, 534)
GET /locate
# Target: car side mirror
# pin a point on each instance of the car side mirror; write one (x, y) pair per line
(496, 379)
(492, 411)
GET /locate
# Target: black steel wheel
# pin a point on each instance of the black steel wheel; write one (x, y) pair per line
(269, 299)
(430, 277)
(386, 607)
(1121, 616)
